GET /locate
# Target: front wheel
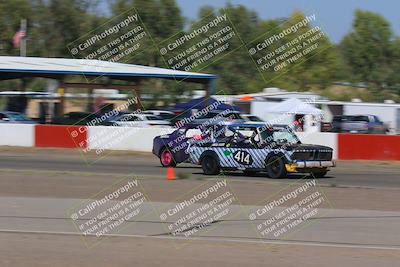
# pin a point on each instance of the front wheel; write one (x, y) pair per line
(276, 167)
(210, 165)
(166, 158)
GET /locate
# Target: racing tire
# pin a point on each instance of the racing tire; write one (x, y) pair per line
(319, 174)
(166, 158)
(210, 165)
(275, 167)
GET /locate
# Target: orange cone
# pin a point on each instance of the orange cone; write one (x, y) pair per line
(170, 174)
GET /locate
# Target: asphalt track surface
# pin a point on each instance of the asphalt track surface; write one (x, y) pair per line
(35, 227)
(359, 174)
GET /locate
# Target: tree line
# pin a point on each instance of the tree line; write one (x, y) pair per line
(368, 56)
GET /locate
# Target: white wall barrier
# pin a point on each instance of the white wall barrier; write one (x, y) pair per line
(124, 138)
(130, 138)
(323, 139)
(17, 134)
(141, 139)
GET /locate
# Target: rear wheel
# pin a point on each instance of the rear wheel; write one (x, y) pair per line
(166, 158)
(210, 165)
(276, 167)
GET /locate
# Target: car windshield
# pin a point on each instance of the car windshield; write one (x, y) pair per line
(153, 118)
(341, 118)
(232, 116)
(359, 118)
(254, 118)
(128, 117)
(17, 117)
(167, 116)
(279, 136)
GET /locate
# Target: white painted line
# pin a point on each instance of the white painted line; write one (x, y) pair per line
(230, 240)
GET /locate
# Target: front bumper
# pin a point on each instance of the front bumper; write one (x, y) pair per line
(302, 165)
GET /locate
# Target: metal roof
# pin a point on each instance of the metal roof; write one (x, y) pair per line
(347, 103)
(19, 67)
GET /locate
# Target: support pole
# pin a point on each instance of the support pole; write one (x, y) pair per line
(137, 92)
(22, 47)
(210, 90)
(61, 92)
(89, 104)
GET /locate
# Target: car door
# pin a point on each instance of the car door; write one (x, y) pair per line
(240, 153)
(181, 144)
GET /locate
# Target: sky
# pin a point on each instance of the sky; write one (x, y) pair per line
(335, 17)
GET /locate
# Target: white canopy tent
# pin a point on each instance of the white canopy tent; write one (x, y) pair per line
(294, 106)
(288, 111)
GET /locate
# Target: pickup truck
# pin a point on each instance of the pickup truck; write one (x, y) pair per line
(368, 124)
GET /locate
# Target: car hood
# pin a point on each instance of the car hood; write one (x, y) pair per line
(306, 147)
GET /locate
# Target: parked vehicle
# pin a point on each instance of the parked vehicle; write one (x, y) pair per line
(255, 148)
(326, 127)
(14, 117)
(368, 124)
(140, 120)
(165, 115)
(248, 118)
(337, 122)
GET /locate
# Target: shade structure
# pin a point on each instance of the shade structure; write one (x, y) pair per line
(57, 68)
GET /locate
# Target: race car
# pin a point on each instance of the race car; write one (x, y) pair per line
(254, 148)
(171, 148)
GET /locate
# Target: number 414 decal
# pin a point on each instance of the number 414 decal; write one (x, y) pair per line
(243, 157)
